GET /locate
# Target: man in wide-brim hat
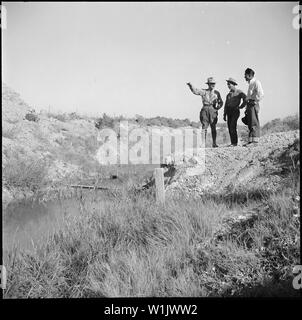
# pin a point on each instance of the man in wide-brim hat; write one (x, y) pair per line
(235, 100)
(212, 102)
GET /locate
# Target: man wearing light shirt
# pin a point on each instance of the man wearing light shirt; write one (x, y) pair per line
(254, 96)
(212, 102)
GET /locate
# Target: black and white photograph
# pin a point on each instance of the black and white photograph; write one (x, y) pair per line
(150, 150)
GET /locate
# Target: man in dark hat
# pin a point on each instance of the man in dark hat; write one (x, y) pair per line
(232, 109)
(254, 95)
(212, 102)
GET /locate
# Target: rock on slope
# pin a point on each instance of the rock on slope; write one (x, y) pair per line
(239, 169)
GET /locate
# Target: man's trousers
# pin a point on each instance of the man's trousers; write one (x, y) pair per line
(253, 123)
(232, 118)
(209, 116)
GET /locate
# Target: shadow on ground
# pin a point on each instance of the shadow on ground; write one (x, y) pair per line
(273, 288)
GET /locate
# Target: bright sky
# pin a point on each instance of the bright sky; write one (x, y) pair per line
(135, 58)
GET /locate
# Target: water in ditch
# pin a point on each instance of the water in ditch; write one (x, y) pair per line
(28, 223)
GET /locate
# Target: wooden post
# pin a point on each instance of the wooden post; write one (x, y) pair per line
(159, 185)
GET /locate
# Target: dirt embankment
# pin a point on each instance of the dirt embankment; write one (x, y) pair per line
(264, 167)
(45, 151)
(39, 150)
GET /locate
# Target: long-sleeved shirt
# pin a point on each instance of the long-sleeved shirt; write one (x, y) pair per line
(209, 97)
(255, 91)
(232, 101)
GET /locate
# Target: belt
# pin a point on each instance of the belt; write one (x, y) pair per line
(233, 109)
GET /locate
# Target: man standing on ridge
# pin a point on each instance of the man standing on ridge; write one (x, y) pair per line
(232, 109)
(212, 102)
(254, 95)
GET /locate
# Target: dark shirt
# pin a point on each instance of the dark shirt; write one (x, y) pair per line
(233, 99)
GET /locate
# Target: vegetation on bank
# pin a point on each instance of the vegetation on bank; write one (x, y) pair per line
(281, 125)
(277, 125)
(136, 248)
(133, 247)
(106, 121)
(25, 172)
(30, 173)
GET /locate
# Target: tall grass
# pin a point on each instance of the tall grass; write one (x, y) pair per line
(10, 132)
(138, 248)
(25, 172)
(130, 246)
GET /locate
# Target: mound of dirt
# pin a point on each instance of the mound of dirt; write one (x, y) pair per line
(47, 137)
(66, 147)
(14, 108)
(261, 167)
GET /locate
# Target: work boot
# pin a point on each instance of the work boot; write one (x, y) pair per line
(247, 144)
(251, 144)
(214, 134)
(214, 145)
(253, 141)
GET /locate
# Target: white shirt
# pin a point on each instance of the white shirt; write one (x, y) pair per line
(255, 91)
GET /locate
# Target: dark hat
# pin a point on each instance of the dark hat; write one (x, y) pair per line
(249, 71)
(232, 80)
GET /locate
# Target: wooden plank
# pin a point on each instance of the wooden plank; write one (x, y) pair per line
(159, 185)
(87, 187)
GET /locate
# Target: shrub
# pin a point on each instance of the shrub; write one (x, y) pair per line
(104, 122)
(277, 125)
(32, 117)
(58, 116)
(74, 116)
(25, 173)
(9, 132)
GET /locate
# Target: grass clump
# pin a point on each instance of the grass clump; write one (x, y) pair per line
(22, 172)
(138, 248)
